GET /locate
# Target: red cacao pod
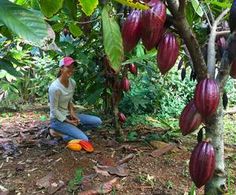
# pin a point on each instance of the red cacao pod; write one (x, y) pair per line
(133, 69)
(152, 22)
(131, 30)
(125, 85)
(121, 117)
(233, 70)
(206, 97)
(202, 163)
(190, 118)
(86, 145)
(168, 51)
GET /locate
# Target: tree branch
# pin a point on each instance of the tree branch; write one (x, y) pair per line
(185, 31)
(211, 59)
(182, 6)
(225, 32)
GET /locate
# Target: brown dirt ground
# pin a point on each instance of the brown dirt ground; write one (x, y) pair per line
(22, 174)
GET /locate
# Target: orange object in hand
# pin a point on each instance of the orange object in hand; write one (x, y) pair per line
(86, 145)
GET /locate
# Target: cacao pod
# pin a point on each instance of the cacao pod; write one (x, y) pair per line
(190, 119)
(125, 85)
(133, 69)
(86, 145)
(74, 141)
(152, 22)
(121, 117)
(233, 70)
(202, 163)
(168, 51)
(206, 97)
(131, 30)
(74, 146)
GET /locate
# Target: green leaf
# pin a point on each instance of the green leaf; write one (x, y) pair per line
(7, 66)
(49, 7)
(197, 7)
(58, 26)
(70, 8)
(93, 97)
(130, 3)
(23, 22)
(75, 30)
(43, 118)
(88, 7)
(112, 40)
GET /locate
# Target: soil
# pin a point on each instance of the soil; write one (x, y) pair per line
(39, 165)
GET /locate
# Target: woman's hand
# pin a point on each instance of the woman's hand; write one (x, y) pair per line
(73, 121)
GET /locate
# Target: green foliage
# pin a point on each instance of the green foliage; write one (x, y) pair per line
(23, 22)
(49, 8)
(8, 66)
(197, 7)
(112, 39)
(88, 7)
(76, 180)
(230, 89)
(153, 94)
(75, 30)
(131, 3)
(132, 136)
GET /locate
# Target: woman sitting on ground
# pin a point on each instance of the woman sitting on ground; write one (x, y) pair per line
(63, 118)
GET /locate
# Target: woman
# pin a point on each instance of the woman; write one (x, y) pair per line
(63, 118)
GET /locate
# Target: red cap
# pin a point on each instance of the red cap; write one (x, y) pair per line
(66, 61)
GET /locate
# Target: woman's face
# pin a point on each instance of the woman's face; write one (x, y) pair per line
(67, 71)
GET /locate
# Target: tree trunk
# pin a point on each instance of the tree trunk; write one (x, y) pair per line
(215, 131)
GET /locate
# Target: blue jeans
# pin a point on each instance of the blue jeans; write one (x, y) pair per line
(70, 131)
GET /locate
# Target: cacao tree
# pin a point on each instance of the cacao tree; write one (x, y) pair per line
(167, 26)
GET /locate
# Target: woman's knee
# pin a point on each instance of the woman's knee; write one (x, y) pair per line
(98, 121)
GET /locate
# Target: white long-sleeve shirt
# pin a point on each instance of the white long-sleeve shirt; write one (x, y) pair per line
(59, 98)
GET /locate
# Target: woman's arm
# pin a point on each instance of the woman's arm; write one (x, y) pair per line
(72, 112)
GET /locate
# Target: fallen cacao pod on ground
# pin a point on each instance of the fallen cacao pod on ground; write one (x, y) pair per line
(202, 163)
(75, 146)
(86, 145)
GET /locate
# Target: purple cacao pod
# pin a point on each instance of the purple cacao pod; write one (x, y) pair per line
(131, 30)
(202, 163)
(125, 85)
(168, 51)
(133, 69)
(152, 22)
(233, 70)
(206, 97)
(121, 117)
(190, 119)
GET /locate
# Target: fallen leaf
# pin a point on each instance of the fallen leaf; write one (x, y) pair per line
(159, 152)
(45, 182)
(103, 188)
(100, 171)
